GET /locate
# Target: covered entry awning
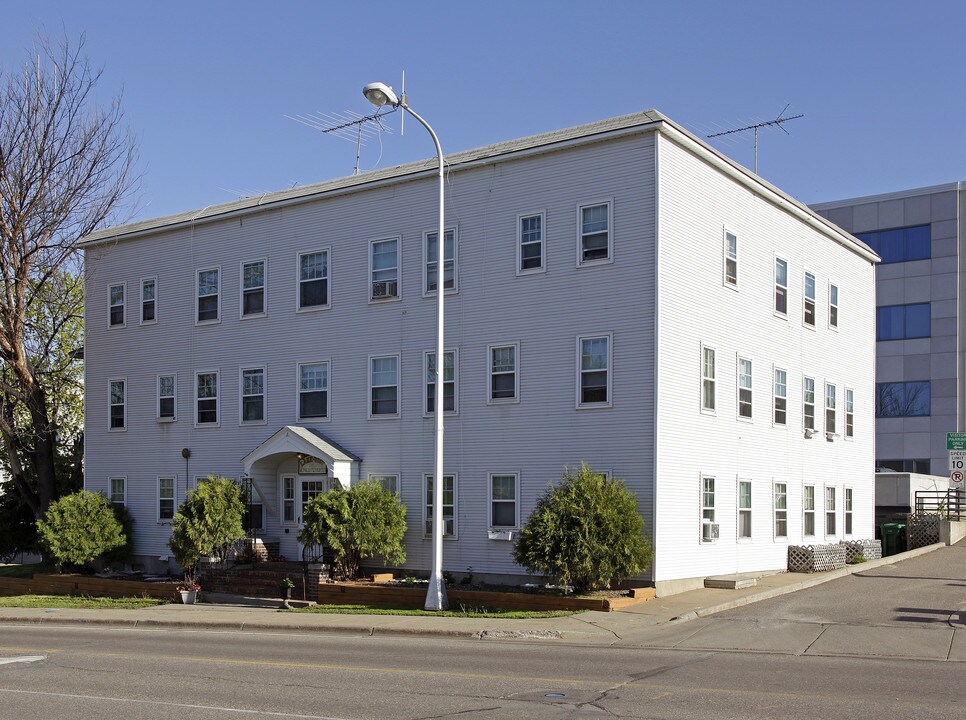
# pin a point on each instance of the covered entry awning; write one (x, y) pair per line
(297, 440)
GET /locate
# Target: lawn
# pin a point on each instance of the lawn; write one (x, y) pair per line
(456, 611)
(69, 602)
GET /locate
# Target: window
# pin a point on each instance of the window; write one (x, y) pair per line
(809, 299)
(149, 309)
(848, 511)
(849, 413)
(209, 297)
(781, 396)
(902, 399)
(902, 322)
(503, 501)
(253, 289)
(206, 398)
(744, 509)
(808, 403)
(707, 499)
(118, 404)
(730, 259)
(449, 505)
(313, 391)
(594, 372)
(116, 305)
(118, 491)
(167, 387)
(384, 386)
(808, 503)
(165, 498)
(530, 243)
(707, 379)
(744, 388)
(781, 510)
(830, 511)
(920, 466)
(431, 251)
(449, 382)
(593, 231)
(253, 395)
(288, 500)
(503, 373)
(829, 408)
(313, 280)
(384, 269)
(900, 244)
(781, 286)
(389, 483)
(833, 306)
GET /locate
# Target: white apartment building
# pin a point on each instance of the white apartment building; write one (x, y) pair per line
(618, 293)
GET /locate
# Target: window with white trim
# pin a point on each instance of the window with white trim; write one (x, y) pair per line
(830, 408)
(744, 509)
(208, 284)
(730, 259)
(849, 413)
(384, 269)
(503, 500)
(808, 403)
(503, 373)
(449, 382)
(206, 398)
(530, 243)
(389, 483)
(808, 508)
(848, 510)
(166, 498)
(809, 298)
(313, 391)
(833, 305)
(707, 379)
(288, 500)
(313, 280)
(781, 397)
(384, 386)
(431, 264)
(594, 240)
(253, 280)
(781, 286)
(118, 403)
(594, 371)
(830, 511)
(253, 395)
(116, 295)
(744, 388)
(449, 506)
(118, 491)
(781, 510)
(707, 499)
(149, 301)
(167, 389)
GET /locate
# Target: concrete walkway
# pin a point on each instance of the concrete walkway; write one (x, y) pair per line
(663, 622)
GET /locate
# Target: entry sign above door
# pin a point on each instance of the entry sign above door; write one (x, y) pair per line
(956, 441)
(309, 465)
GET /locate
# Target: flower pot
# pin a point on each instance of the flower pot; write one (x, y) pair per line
(188, 597)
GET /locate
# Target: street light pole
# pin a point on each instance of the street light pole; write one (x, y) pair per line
(380, 94)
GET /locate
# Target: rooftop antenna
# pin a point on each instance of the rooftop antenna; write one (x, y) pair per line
(777, 122)
(349, 126)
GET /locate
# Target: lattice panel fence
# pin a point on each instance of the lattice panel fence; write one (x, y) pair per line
(922, 529)
(869, 549)
(815, 558)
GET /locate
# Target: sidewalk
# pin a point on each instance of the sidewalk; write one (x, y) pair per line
(226, 612)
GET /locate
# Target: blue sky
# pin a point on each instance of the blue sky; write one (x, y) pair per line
(207, 85)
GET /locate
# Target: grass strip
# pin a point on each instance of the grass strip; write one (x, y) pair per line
(70, 602)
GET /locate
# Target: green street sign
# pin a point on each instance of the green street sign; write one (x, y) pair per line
(956, 441)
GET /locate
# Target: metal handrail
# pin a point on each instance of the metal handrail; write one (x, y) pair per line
(949, 504)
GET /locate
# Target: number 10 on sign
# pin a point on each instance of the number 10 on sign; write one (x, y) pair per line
(957, 460)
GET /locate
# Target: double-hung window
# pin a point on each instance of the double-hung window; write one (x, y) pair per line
(149, 301)
(503, 501)
(389, 483)
(253, 395)
(830, 511)
(833, 305)
(313, 391)
(594, 371)
(744, 509)
(431, 266)
(206, 398)
(594, 240)
(830, 408)
(530, 243)
(209, 295)
(781, 510)
(449, 382)
(707, 499)
(313, 280)
(166, 498)
(730, 259)
(503, 373)
(808, 506)
(288, 500)
(118, 491)
(116, 305)
(849, 413)
(707, 379)
(448, 505)
(808, 403)
(744, 388)
(781, 397)
(384, 386)
(118, 404)
(384, 269)
(167, 388)
(809, 307)
(253, 288)
(781, 286)
(848, 511)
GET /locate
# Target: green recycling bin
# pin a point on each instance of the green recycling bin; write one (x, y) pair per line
(893, 538)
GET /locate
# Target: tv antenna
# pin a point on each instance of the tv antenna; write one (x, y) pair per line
(777, 122)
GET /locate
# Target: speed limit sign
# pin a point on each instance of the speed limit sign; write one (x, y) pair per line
(957, 461)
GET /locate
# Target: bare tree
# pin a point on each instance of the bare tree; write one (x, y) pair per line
(66, 166)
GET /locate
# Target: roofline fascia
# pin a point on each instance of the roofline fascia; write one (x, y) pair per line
(885, 197)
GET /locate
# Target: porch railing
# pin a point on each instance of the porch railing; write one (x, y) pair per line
(948, 504)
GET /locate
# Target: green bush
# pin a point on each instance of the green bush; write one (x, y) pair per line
(362, 522)
(208, 523)
(79, 528)
(120, 554)
(586, 531)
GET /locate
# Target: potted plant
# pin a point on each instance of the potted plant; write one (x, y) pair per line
(285, 592)
(189, 591)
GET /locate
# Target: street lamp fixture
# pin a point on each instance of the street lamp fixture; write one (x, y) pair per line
(380, 94)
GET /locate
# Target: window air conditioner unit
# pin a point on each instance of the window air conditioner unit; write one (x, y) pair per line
(830, 436)
(809, 432)
(500, 534)
(710, 531)
(384, 289)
